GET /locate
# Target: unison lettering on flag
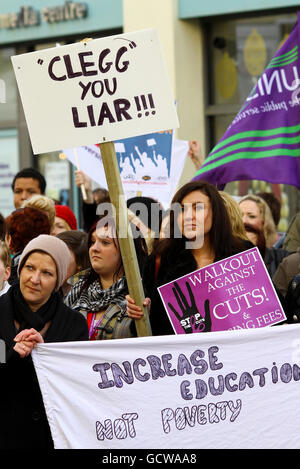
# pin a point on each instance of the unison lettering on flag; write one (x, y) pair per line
(262, 141)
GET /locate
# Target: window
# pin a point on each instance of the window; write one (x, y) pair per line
(8, 89)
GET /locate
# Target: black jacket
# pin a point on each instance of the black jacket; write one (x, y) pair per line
(89, 215)
(273, 257)
(24, 423)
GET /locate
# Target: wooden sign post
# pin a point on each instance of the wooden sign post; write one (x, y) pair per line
(130, 263)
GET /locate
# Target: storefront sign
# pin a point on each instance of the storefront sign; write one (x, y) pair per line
(28, 16)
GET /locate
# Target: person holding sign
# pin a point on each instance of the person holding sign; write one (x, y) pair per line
(100, 294)
(32, 312)
(200, 233)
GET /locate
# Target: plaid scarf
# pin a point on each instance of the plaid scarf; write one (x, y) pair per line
(94, 298)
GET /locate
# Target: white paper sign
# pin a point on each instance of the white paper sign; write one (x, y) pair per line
(95, 91)
(237, 389)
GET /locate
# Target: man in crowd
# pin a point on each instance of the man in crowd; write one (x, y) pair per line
(27, 182)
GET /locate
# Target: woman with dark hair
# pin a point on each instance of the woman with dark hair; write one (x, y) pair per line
(77, 243)
(100, 294)
(149, 214)
(272, 256)
(32, 312)
(200, 234)
(257, 237)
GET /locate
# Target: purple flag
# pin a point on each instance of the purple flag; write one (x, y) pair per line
(262, 141)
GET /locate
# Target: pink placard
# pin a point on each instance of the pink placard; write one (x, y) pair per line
(235, 293)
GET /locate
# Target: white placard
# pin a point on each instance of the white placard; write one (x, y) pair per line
(95, 91)
(228, 389)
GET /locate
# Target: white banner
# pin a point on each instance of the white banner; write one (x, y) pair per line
(237, 389)
(95, 91)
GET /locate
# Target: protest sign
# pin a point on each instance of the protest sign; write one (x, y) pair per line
(152, 183)
(227, 389)
(235, 293)
(95, 91)
(90, 161)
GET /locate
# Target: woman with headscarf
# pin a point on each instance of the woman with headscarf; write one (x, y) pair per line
(32, 312)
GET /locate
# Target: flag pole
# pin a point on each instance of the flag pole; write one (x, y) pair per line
(128, 253)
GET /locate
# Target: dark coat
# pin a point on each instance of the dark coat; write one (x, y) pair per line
(89, 215)
(272, 259)
(13, 278)
(24, 423)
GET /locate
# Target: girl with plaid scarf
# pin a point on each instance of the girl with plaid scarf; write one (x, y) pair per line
(100, 292)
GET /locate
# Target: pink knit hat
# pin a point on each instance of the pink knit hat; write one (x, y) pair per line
(54, 247)
(64, 212)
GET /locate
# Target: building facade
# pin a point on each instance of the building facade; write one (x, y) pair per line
(215, 52)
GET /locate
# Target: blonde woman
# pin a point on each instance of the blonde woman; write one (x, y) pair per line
(235, 216)
(41, 202)
(256, 212)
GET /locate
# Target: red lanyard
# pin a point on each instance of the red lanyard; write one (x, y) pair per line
(93, 326)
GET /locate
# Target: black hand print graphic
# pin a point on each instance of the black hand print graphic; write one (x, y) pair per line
(190, 318)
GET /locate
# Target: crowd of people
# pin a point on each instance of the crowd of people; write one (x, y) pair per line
(60, 283)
